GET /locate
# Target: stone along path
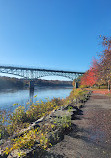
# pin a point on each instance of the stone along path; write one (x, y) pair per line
(91, 134)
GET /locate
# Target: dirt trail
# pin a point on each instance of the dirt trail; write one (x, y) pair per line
(91, 134)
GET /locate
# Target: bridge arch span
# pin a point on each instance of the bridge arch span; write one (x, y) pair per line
(56, 75)
(13, 74)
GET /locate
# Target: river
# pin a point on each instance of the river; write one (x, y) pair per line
(8, 97)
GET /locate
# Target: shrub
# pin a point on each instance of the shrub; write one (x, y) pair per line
(83, 86)
(3, 120)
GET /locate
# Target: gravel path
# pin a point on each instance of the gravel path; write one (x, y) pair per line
(91, 134)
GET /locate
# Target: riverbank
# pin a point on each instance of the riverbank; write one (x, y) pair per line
(37, 133)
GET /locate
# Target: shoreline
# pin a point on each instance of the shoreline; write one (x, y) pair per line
(54, 113)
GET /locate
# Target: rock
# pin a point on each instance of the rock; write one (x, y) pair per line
(61, 113)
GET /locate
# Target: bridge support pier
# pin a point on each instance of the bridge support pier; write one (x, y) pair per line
(31, 85)
(76, 84)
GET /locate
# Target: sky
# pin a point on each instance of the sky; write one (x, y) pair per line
(53, 34)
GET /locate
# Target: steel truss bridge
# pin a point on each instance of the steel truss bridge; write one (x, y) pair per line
(35, 73)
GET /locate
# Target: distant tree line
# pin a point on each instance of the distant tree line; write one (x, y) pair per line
(40, 82)
(7, 82)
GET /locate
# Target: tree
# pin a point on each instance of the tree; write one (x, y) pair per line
(105, 61)
(100, 70)
(76, 81)
(90, 77)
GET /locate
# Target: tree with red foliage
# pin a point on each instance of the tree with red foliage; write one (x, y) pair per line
(104, 72)
(100, 71)
(90, 77)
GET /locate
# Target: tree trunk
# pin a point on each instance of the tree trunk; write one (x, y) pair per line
(108, 86)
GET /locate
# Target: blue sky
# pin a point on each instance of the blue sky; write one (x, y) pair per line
(53, 34)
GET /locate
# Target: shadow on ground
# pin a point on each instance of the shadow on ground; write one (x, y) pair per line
(44, 154)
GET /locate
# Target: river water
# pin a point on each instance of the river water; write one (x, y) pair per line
(8, 97)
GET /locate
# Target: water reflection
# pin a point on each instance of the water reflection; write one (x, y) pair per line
(22, 96)
(31, 95)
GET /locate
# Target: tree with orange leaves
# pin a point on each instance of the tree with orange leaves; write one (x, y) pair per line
(90, 77)
(104, 72)
(100, 71)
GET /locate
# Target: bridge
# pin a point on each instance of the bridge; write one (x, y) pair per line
(36, 73)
